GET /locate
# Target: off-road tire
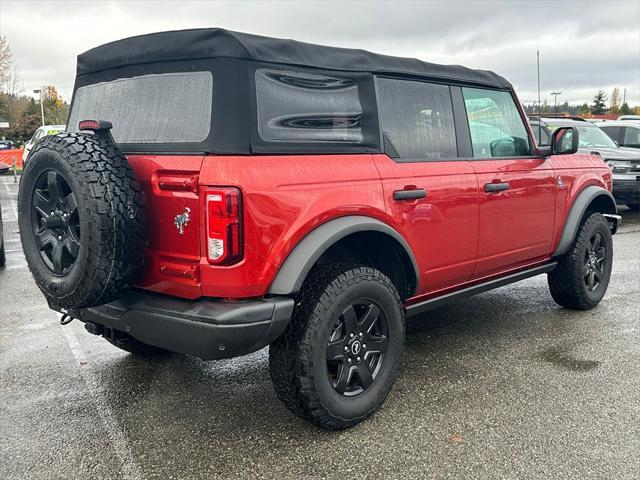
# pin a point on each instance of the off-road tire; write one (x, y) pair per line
(111, 219)
(297, 359)
(567, 281)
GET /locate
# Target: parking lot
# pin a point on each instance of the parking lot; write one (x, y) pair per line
(502, 385)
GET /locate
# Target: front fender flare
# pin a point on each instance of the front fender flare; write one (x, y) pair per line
(576, 213)
(304, 256)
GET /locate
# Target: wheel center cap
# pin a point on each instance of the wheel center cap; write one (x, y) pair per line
(356, 347)
(56, 221)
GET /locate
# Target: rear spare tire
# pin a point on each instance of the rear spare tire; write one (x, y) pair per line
(82, 221)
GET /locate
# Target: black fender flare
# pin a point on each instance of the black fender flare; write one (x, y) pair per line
(577, 211)
(302, 258)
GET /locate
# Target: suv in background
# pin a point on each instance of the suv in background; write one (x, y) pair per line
(624, 133)
(38, 135)
(623, 162)
(218, 192)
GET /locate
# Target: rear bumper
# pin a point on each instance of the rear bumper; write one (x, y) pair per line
(209, 329)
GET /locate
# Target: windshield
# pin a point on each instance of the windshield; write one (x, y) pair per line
(590, 136)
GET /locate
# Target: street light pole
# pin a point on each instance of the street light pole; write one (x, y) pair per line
(39, 90)
(555, 94)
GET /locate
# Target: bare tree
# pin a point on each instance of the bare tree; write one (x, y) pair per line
(5, 59)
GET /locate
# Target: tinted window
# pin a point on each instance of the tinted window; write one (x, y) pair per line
(631, 137)
(164, 108)
(497, 129)
(612, 132)
(307, 108)
(416, 119)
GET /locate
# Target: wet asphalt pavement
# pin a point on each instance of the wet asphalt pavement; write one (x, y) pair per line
(502, 385)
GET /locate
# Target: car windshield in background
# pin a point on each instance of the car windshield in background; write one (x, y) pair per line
(590, 136)
(139, 107)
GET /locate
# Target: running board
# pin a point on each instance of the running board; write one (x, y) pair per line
(435, 302)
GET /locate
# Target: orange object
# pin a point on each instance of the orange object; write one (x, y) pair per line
(7, 156)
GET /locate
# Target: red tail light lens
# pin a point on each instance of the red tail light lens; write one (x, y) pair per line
(224, 226)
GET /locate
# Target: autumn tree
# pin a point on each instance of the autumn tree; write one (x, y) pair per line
(614, 104)
(599, 103)
(56, 110)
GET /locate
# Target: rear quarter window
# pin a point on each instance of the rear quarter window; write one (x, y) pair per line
(158, 108)
(299, 107)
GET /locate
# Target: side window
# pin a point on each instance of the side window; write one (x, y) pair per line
(631, 137)
(416, 119)
(613, 132)
(307, 108)
(496, 127)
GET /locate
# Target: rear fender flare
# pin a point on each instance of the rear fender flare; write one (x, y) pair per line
(576, 213)
(304, 256)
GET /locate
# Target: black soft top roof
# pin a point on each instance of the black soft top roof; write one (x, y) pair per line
(217, 43)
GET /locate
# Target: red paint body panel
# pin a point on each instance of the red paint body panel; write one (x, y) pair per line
(516, 225)
(459, 234)
(285, 197)
(167, 250)
(441, 229)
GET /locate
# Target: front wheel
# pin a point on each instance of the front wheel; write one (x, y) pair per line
(340, 356)
(581, 278)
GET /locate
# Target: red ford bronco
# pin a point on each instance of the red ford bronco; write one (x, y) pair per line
(217, 192)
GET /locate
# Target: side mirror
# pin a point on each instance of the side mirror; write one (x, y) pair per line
(564, 141)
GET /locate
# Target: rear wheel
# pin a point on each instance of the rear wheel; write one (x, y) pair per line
(339, 357)
(581, 278)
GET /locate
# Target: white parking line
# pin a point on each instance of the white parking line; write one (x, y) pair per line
(130, 469)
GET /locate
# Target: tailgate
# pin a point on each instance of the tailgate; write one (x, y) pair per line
(170, 186)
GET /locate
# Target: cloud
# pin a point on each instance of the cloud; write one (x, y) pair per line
(585, 46)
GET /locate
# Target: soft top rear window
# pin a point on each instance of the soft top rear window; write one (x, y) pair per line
(158, 108)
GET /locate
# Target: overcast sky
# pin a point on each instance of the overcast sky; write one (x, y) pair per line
(584, 45)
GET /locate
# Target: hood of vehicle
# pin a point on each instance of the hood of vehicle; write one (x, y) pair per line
(612, 153)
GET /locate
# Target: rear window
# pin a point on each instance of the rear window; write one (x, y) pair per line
(296, 107)
(159, 108)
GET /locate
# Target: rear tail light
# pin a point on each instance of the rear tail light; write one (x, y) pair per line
(224, 226)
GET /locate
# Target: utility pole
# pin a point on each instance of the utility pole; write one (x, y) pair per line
(539, 104)
(555, 95)
(39, 90)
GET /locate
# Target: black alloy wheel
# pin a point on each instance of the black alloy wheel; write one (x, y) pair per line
(56, 223)
(582, 275)
(594, 261)
(338, 358)
(357, 348)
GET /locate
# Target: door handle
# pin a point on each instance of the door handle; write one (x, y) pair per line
(415, 194)
(496, 187)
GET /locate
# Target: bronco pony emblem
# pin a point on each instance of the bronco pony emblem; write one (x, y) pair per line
(182, 220)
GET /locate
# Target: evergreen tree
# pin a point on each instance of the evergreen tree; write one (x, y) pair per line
(625, 109)
(599, 103)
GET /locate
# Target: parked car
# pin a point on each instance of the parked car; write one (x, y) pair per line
(624, 133)
(38, 135)
(629, 117)
(6, 145)
(624, 162)
(273, 192)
